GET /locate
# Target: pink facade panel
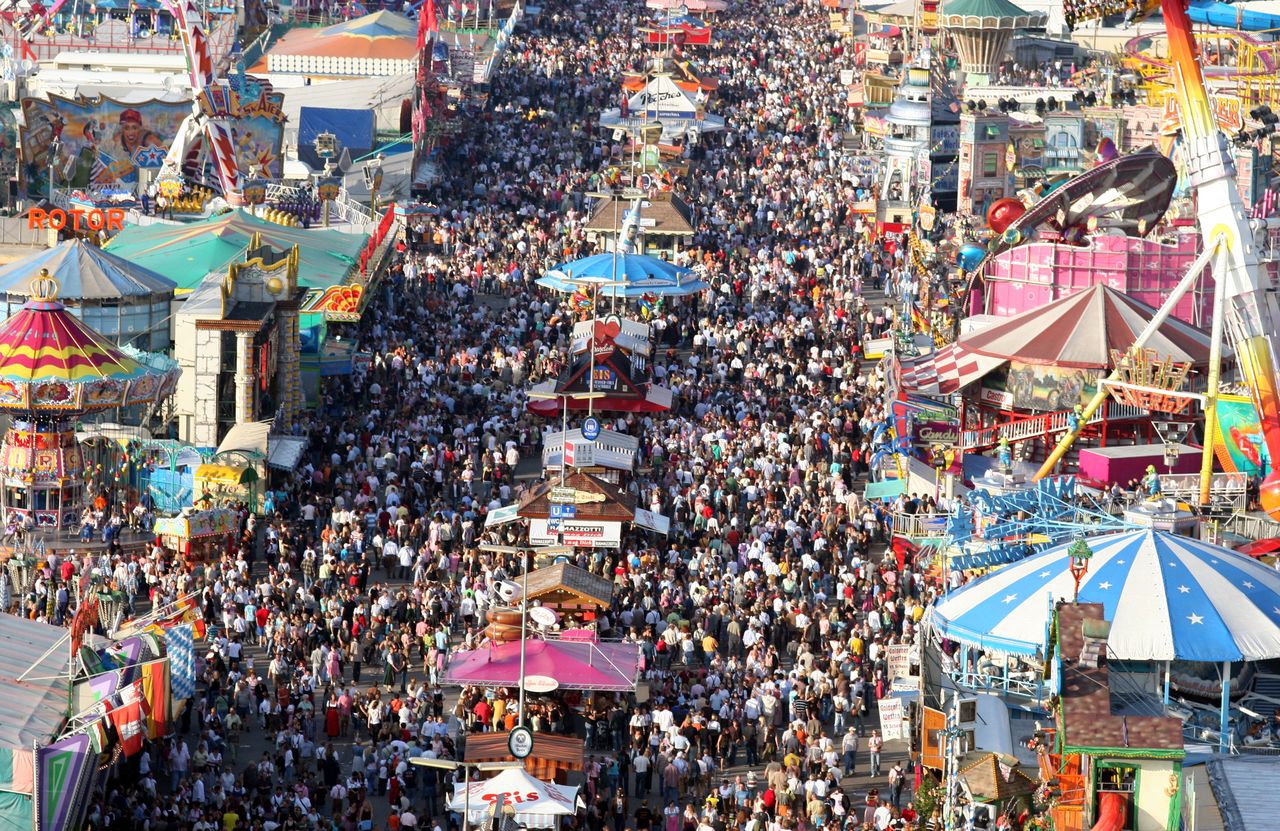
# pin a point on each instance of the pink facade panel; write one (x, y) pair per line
(1031, 275)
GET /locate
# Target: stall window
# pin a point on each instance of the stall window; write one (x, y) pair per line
(990, 164)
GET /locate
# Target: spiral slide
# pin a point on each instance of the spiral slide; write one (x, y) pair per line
(1260, 16)
(1112, 810)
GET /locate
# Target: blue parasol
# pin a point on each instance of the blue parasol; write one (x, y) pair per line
(626, 275)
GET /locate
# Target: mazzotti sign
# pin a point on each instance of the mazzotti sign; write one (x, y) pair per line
(579, 533)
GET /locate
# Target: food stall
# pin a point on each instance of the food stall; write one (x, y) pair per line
(199, 536)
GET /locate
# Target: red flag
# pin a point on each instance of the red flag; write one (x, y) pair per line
(130, 727)
(429, 15)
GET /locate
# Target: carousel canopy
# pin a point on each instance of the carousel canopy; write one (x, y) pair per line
(85, 272)
(1167, 597)
(50, 361)
(1075, 332)
(987, 14)
(1080, 331)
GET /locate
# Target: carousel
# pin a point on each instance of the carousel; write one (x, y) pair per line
(53, 370)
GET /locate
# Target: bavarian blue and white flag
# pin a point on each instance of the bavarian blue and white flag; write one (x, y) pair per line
(180, 646)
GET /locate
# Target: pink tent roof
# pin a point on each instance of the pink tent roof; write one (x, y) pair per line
(577, 665)
(1081, 331)
(691, 5)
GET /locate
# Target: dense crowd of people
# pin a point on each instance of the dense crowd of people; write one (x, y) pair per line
(764, 619)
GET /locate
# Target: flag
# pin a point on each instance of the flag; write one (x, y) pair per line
(63, 772)
(155, 685)
(918, 318)
(99, 734)
(180, 647)
(130, 725)
(433, 22)
(134, 692)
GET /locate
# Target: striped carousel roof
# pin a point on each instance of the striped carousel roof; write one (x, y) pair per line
(47, 348)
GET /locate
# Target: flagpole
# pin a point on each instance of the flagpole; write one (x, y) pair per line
(140, 623)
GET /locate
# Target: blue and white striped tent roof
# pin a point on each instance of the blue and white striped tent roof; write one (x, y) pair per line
(1167, 597)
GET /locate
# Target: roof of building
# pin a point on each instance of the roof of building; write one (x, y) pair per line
(564, 577)
(985, 775)
(616, 505)
(1244, 789)
(985, 8)
(1086, 716)
(35, 707)
(383, 35)
(185, 253)
(564, 751)
(669, 213)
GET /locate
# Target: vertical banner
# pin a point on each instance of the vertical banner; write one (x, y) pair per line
(180, 647)
(62, 772)
(155, 686)
(892, 714)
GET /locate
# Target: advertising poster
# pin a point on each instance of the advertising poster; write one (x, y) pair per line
(1238, 444)
(257, 141)
(1049, 388)
(892, 714)
(995, 388)
(97, 139)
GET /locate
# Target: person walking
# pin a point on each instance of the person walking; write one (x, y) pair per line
(849, 749)
(897, 781)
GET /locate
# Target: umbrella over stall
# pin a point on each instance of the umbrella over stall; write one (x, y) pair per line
(536, 804)
(624, 275)
(576, 665)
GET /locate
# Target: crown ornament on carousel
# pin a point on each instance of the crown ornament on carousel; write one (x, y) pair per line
(45, 287)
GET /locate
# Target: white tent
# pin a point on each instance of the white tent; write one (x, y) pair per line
(662, 98)
(537, 804)
(662, 101)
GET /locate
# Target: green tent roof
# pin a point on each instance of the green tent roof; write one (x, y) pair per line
(187, 252)
(985, 8)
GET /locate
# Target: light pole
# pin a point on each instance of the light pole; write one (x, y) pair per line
(564, 437)
(453, 765)
(939, 465)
